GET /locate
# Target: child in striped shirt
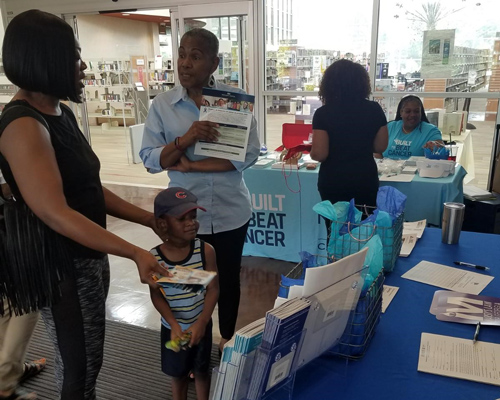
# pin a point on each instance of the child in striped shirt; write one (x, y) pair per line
(181, 311)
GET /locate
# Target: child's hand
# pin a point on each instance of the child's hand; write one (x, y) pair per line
(178, 343)
(175, 332)
(197, 331)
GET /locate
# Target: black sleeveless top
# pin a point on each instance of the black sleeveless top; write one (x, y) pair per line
(78, 165)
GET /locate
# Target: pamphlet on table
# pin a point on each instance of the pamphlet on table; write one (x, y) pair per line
(233, 112)
(408, 243)
(460, 358)
(448, 277)
(416, 228)
(396, 177)
(465, 308)
(387, 296)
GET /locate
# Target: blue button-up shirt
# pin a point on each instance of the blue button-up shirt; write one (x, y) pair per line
(223, 194)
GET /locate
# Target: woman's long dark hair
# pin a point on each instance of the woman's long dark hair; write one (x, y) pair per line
(344, 82)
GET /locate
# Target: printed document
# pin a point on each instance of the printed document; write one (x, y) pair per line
(233, 112)
(460, 358)
(450, 278)
(387, 296)
(408, 243)
(415, 228)
(396, 178)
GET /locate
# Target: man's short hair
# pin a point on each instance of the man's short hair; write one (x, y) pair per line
(210, 39)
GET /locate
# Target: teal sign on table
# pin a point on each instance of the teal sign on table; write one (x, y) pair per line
(274, 229)
(284, 223)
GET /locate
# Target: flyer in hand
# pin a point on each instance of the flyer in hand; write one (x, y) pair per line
(233, 112)
(188, 279)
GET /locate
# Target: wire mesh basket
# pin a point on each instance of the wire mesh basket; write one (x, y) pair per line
(298, 272)
(355, 236)
(362, 322)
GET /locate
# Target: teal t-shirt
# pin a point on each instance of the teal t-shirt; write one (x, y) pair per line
(404, 145)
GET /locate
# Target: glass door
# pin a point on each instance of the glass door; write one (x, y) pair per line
(233, 24)
(80, 110)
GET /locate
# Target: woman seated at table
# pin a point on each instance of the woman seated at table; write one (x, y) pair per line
(411, 131)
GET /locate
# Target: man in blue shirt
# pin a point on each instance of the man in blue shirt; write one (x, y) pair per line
(172, 128)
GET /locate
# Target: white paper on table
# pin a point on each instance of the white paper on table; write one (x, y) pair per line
(450, 278)
(460, 358)
(234, 129)
(408, 243)
(396, 178)
(387, 296)
(415, 228)
(319, 278)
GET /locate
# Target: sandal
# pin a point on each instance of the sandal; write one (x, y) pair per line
(20, 394)
(31, 369)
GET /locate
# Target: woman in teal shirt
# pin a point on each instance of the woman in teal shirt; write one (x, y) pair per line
(411, 131)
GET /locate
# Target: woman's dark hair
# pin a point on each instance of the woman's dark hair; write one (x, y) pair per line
(39, 54)
(208, 37)
(344, 81)
(407, 99)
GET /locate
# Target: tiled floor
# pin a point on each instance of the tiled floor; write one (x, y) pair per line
(128, 299)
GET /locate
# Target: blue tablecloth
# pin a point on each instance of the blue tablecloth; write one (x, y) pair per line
(426, 195)
(284, 223)
(389, 368)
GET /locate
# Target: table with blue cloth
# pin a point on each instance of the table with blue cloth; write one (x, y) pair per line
(284, 223)
(425, 196)
(388, 369)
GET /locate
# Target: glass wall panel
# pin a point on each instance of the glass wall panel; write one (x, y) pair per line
(439, 46)
(304, 38)
(230, 44)
(444, 46)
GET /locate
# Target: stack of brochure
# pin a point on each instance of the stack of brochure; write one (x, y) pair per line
(221, 373)
(236, 362)
(476, 194)
(238, 371)
(280, 341)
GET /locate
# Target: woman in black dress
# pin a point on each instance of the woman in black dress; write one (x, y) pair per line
(347, 130)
